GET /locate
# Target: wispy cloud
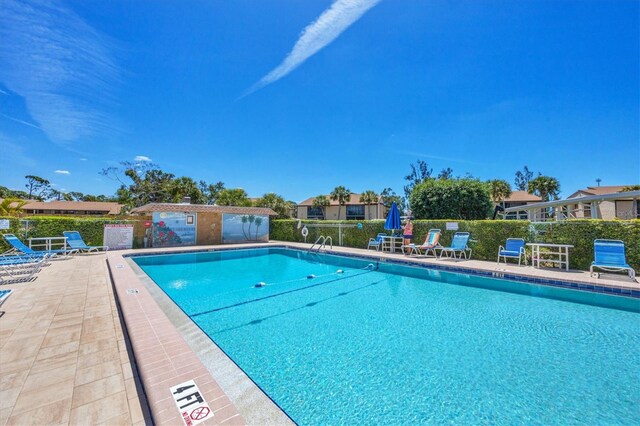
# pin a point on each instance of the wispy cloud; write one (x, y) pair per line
(83, 159)
(62, 172)
(63, 68)
(14, 153)
(17, 120)
(331, 23)
(142, 158)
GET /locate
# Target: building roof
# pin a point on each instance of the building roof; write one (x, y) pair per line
(598, 190)
(522, 196)
(92, 206)
(353, 199)
(197, 208)
(628, 195)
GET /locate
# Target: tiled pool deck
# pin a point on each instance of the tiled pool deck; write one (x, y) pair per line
(67, 358)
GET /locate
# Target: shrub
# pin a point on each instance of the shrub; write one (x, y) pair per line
(487, 235)
(460, 199)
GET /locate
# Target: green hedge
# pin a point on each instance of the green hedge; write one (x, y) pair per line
(91, 229)
(488, 235)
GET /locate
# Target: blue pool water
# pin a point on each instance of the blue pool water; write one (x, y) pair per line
(402, 345)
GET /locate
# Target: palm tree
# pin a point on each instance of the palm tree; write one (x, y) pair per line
(251, 219)
(341, 195)
(499, 189)
(369, 197)
(244, 219)
(545, 187)
(11, 206)
(321, 202)
(258, 222)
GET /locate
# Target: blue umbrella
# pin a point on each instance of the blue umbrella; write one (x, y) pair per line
(393, 218)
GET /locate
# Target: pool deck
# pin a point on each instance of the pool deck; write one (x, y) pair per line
(76, 347)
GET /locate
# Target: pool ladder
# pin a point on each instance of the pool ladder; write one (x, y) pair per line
(322, 242)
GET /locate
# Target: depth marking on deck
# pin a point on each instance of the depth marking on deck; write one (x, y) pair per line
(191, 403)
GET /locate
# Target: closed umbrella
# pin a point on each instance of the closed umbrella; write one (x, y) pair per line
(393, 218)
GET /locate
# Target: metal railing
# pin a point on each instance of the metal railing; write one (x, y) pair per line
(322, 242)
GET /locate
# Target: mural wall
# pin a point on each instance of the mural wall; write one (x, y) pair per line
(239, 228)
(174, 229)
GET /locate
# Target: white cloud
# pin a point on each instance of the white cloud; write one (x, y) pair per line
(63, 172)
(61, 66)
(142, 158)
(331, 23)
(83, 159)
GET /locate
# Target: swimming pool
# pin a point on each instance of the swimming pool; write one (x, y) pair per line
(396, 344)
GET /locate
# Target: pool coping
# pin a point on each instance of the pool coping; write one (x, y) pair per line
(164, 357)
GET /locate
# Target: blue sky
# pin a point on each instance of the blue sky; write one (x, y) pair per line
(297, 97)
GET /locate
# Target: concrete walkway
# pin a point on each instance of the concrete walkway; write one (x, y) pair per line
(63, 352)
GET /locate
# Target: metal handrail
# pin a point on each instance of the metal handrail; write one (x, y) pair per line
(321, 241)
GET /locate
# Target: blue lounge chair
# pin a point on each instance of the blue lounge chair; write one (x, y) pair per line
(458, 245)
(610, 256)
(431, 244)
(20, 247)
(514, 249)
(376, 242)
(75, 241)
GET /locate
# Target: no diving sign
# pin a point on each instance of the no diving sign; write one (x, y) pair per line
(191, 404)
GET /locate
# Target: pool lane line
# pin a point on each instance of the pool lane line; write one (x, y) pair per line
(276, 294)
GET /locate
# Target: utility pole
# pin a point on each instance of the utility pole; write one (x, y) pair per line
(598, 181)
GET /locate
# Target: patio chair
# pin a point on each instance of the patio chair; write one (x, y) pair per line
(431, 243)
(376, 242)
(459, 244)
(75, 241)
(513, 249)
(20, 247)
(610, 256)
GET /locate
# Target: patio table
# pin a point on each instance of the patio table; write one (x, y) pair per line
(392, 244)
(554, 253)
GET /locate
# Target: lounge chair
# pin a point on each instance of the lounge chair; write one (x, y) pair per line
(610, 256)
(431, 243)
(20, 268)
(20, 247)
(458, 245)
(75, 241)
(514, 249)
(376, 242)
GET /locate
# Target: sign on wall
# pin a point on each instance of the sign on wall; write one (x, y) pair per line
(118, 236)
(4, 223)
(172, 229)
(452, 226)
(242, 228)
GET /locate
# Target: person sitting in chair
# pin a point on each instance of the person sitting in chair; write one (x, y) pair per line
(407, 230)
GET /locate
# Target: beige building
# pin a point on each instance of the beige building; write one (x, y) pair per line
(621, 207)
(89, 208)
(352, 210)
(604, 202)
(518, 198)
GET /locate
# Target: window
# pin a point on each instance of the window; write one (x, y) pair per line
(355, 212)
(315, 213)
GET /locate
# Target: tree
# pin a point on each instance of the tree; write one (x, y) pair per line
(545, 187)
(446, 173)
(186, 187)
(630, 188)
(234, 197)
(10, 193)
(369, 197)
(461, 199)
(522, 179)
(321, 202)
(11, 206)
(276, 203)
(389, 197)
(499, 189)
(211, 191)
(38, 187)
(420, 172)
(258, 222)
(341, 195)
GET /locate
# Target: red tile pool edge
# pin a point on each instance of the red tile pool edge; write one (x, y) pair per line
(163, 357)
